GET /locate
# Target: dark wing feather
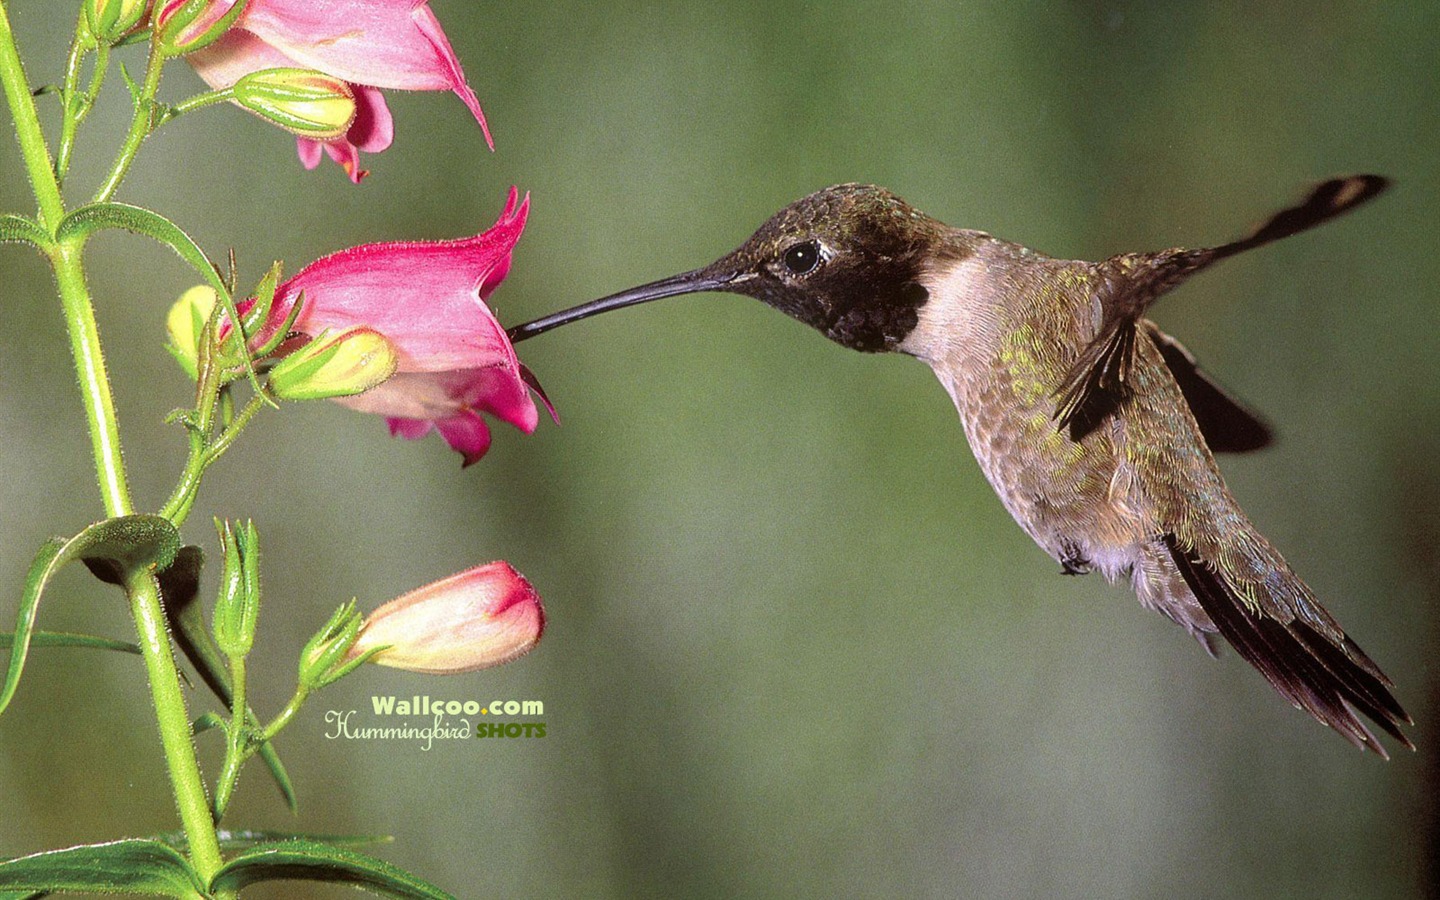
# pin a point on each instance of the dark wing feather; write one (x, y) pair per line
(1228, 425)
(1096, 384)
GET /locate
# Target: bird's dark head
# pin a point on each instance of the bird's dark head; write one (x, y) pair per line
(845, 260)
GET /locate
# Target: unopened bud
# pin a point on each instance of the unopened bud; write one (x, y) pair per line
(339, 364)
(308, 103)
(111, 20)
(238, 605)
(184, 26)
(479, 618)
(186, 322)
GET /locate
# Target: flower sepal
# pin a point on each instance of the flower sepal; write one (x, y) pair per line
(323, 661)
(335, 364)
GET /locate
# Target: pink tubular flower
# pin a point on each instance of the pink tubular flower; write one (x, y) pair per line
(427, 298)
(394, 44)
(478, 618)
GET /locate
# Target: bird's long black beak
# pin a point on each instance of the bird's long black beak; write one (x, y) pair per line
(692, 282)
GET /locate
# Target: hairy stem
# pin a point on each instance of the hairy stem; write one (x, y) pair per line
(174, 721)
(141, 124)
(27, 128)
(94, 382)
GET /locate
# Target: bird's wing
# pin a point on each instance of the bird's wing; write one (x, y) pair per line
(1098, 381)
(1227, 424)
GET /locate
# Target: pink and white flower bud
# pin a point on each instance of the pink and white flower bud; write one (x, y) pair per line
(478, 618)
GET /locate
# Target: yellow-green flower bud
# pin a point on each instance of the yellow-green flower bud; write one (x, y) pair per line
(111, 20)
(186, 322)
(308, 103)
(339, 364)
(184, 26)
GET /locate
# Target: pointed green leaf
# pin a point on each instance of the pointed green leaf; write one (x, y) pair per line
(18, 229)
(244, 839)
(180, 589)
(315, 861)
(119, 867)
(94, 217)
(40, 570)
(116, 545)
(66, 639)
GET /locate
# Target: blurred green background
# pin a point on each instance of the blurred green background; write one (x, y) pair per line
(796, 646)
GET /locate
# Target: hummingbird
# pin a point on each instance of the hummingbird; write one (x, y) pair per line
(1096, 429)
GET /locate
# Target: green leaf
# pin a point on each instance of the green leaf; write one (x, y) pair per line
(116, 546)
(180, 589)
(66, 639)
(18, 229)
(315, 861)
(120, 867)
(244, 839)
(94, 217)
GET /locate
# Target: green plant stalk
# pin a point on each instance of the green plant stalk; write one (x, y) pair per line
(27, 127)
(203, 452)
(141, 588)
(194, 807)
(237, 742)
(141, 124)
(94, 382)
(75, 113)
(285, 715)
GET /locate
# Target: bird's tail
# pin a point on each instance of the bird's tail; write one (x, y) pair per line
(1275, 623)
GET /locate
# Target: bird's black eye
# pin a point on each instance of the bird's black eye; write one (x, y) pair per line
(801, 259)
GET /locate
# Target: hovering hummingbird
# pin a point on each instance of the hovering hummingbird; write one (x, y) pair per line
(1095, 427)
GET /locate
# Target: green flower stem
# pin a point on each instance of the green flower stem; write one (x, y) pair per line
(204, 452)
(238, 747)
(200, 101)
(144, 593)
(77, 107)
(141, 124)
(285, 715)
(27, 127)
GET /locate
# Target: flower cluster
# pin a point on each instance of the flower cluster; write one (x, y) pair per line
(398, 329)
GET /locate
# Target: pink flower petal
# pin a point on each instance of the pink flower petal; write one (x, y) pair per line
(385, 43)
(454, 360)
(372, 44)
